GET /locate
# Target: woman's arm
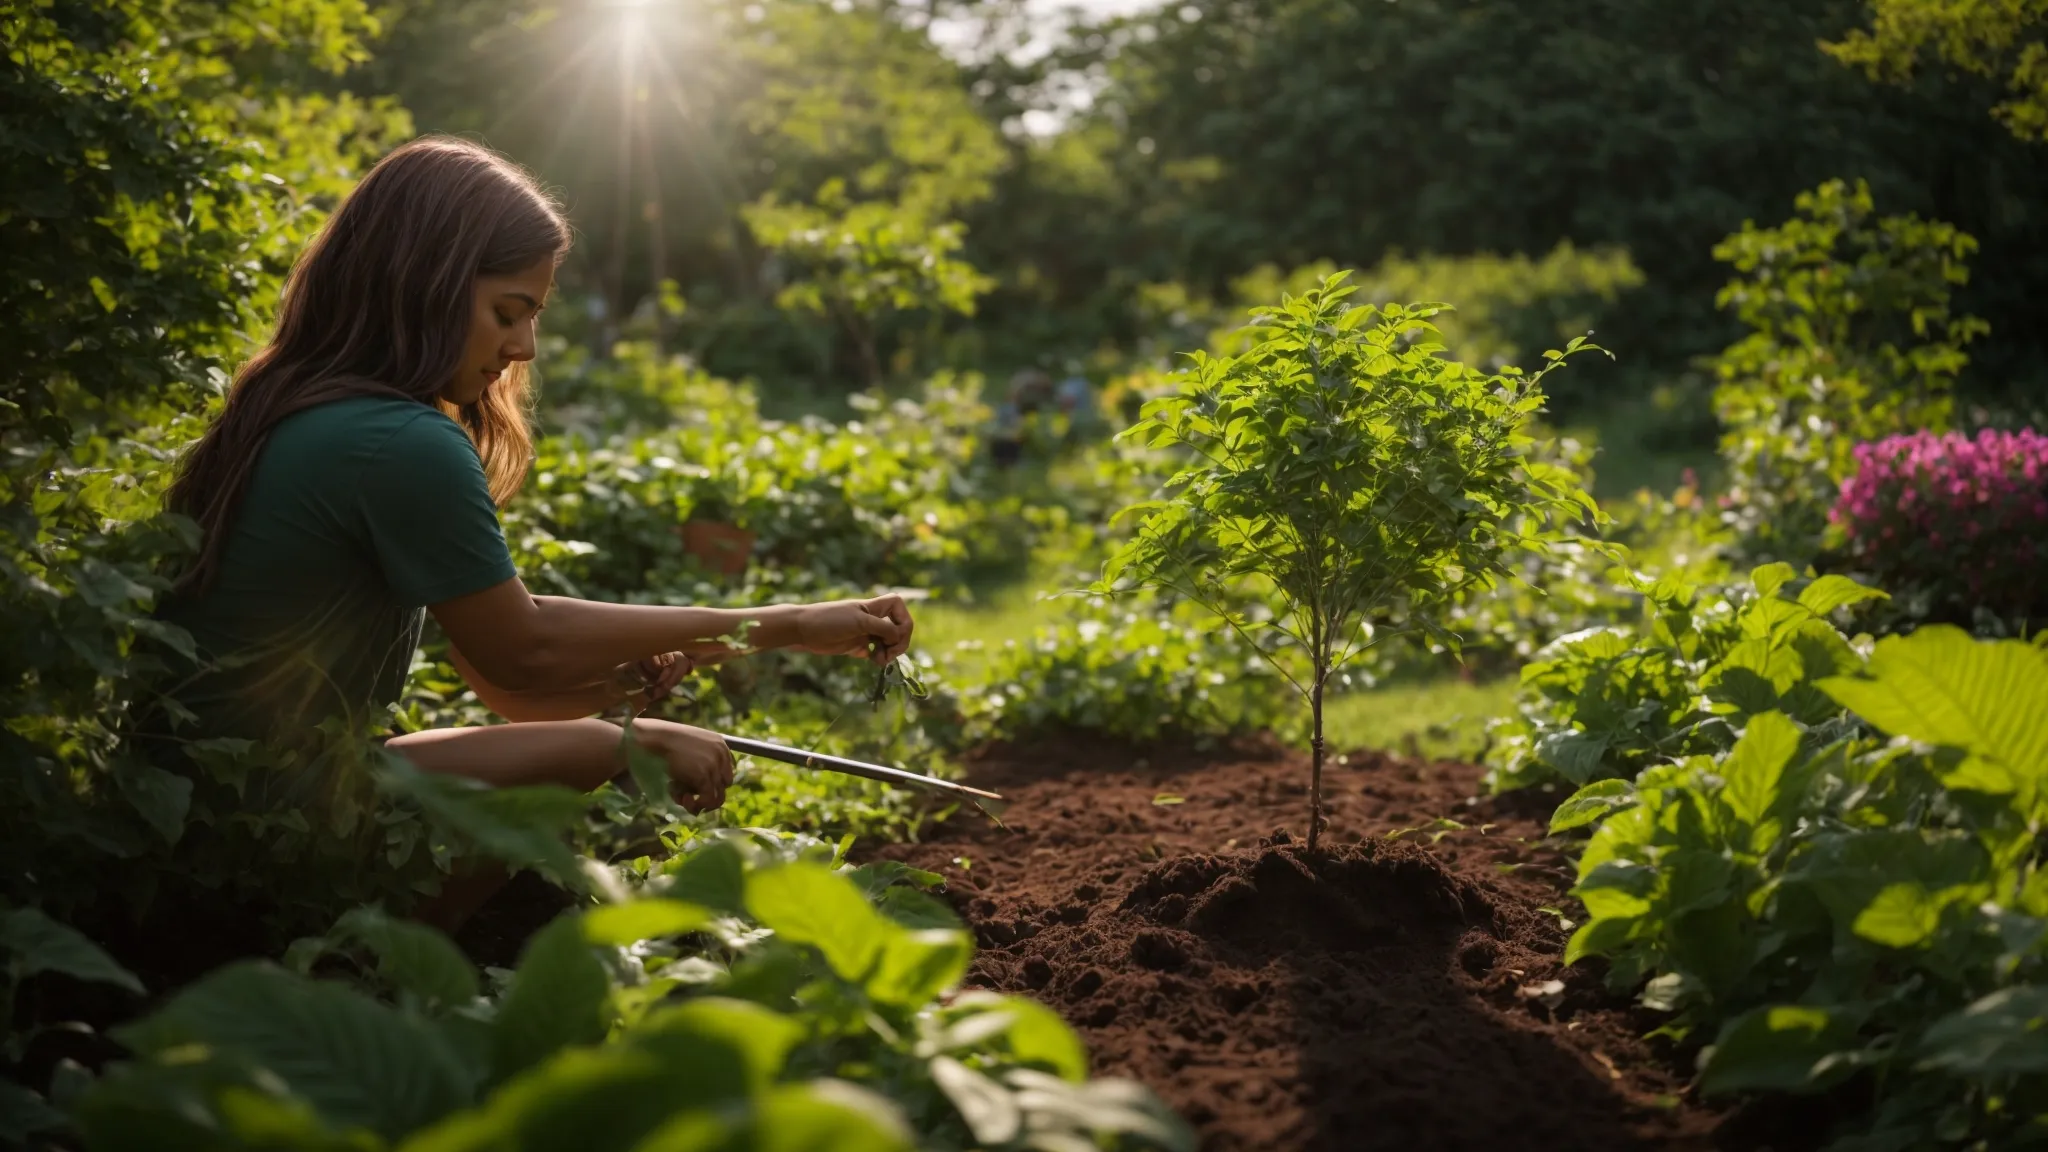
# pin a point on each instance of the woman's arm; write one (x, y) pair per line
(530, 707)
(522, 642)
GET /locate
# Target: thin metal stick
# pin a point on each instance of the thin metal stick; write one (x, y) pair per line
(805, 759)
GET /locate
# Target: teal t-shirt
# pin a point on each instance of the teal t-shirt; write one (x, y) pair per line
(359, 514)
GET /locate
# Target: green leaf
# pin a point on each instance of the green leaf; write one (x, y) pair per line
(357, 1062)
(1753, 772)
(2001, 1034)
(1906, 914)
(1576, 755)
(1940, 686)
(630, 923)
(712, 877)
(520, 826)
(1771, 577)
(1831, 592)
(1600, 937)
(918, 964)
(163, 798)
(1783, 1047)
(816, 1116)
(808, 904)
(1590, 804)
(24, 1113)
(413, 957)
(557, 999)
(591, 1099)
(988, 1108)
(41, 944)
(1034, 1033)
(751, 1042)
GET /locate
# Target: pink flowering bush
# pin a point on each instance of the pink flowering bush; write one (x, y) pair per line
(1951, 524)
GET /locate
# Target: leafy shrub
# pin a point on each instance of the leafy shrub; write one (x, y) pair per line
(746, 993)
(1822, 904)
(1851, 339)
(1345, 483)
(1951, 523)
(1135, 671)
(1614, 701)
(159, 186)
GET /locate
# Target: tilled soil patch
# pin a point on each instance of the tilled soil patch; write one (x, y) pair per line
(1397, 994)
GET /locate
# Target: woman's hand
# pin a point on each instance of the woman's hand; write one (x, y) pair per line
(656, 677)
(699, 764)
(879, 628)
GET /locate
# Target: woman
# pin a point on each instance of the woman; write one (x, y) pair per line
(352, 483)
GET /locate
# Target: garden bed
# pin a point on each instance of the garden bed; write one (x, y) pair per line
(1379, 994)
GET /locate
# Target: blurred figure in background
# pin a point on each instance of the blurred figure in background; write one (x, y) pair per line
(1016, 418)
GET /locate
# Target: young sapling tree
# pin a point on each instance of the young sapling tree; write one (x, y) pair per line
(1345, 482)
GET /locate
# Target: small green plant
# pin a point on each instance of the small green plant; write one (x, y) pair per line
(1613, 701)
(1344, 483)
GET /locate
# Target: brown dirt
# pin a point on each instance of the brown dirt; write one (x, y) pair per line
(1376, 994)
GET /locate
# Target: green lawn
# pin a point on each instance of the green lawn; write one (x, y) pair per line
(1443, 718)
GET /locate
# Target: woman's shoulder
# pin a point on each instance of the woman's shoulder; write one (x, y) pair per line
(367, 421)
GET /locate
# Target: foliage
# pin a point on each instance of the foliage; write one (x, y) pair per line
(1950, 524)
(1852, 338)
(1508, 306)
(1234, 133)
(1345, 482)
(743, 994)
(2000, 39)
(158, 187)
(1132, 671)
(1613, 702)
(858, 263)
(1825, 905)
(678, 130)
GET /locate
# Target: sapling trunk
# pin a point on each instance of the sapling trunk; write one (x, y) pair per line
(1315, 744)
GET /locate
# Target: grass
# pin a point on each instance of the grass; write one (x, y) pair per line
(1443, 718)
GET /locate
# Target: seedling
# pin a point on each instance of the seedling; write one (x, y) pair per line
(1345, 482)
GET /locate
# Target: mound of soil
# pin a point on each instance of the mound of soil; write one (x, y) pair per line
(1377, 993)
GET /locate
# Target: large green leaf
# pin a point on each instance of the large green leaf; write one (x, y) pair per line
(808, 904)
(521, 826)
(818, 1116)
(413, 957)
(634, 921)
(1784, 1047)
(1940, 686)
(713, 876)
(1753, 772)
(919, 963)
(163, 798)
(738, 1047)
(1590, 804)
(590, 1099)
(558, 998)
(988, 1108)
(40, 944)
(24, 1113)
(1032, 1032)
(2003, 1034)
(359, 1063)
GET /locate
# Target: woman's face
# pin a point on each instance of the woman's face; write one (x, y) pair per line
(501, 328)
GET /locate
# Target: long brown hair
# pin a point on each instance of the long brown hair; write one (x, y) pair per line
(380, 303)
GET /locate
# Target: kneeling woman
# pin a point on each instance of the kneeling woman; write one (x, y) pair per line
(352, 482)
